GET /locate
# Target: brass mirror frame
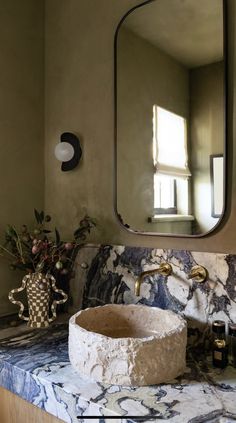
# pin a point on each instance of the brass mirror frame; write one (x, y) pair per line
(222, 219)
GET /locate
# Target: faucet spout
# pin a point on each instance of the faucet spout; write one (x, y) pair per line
(164, 269)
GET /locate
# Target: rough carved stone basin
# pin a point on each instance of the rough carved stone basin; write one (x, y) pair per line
(128, 344)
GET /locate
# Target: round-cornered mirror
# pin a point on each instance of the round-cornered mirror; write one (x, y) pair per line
(170, 117)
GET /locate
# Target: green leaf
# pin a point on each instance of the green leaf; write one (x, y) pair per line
(58, 239)
(37, 216)
(42, 216)
(40, 266)
(88, 220)
(76, 231)
(86, 224)
(93, 221)
(11, 232)
(79, 232)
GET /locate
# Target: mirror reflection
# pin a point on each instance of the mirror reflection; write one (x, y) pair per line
(170, 116)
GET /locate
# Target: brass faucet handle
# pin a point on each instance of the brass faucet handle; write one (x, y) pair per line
(165, 269)
(198, 274)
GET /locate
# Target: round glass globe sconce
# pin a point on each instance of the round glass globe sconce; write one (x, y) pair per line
(68, 151)
(64, 151)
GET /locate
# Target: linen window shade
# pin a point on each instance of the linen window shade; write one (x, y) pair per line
(170, 145)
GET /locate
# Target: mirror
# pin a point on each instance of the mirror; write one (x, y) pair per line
(170, 116)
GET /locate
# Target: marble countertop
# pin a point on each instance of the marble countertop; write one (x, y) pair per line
(35, 365)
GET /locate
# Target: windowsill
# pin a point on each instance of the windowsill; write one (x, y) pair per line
(171, 218)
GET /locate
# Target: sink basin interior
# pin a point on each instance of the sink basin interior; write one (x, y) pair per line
(118, 321)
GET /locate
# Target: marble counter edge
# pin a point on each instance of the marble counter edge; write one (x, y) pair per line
(54, 398)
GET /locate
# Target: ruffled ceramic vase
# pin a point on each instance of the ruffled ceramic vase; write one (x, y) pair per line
(41, 307)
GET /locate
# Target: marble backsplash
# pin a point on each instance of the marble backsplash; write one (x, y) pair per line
(107, 274)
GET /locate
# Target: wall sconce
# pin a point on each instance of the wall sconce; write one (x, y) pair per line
(68, 151)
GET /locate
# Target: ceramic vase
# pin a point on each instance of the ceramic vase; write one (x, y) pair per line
(41, 307)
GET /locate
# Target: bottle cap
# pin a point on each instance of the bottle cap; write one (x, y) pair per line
(218, 326)
(232, 329)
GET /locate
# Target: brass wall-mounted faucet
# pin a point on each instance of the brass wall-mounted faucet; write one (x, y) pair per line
(198, 274)
(164, 269)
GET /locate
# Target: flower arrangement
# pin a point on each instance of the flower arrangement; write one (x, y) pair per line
(41, 249)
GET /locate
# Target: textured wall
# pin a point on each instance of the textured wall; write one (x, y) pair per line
(80, 98)
(145, 76)
(21, 121)
(207, 135)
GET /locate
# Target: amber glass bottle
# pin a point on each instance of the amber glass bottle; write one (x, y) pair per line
(219, 346)
(232, 344)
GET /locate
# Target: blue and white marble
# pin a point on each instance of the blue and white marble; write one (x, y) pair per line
(34, 364)
(42, 374)
(107, 274)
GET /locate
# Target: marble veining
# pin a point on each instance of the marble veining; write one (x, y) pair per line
(112, 270)
(43, 375)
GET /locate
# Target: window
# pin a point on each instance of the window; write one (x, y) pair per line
(170, 159)
(164, 194)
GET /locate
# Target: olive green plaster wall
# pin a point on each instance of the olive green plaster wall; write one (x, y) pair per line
(21, 122)
(80, 98)
(145, 76)
(207, 135)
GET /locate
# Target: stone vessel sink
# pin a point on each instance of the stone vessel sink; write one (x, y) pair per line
(128, 344)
